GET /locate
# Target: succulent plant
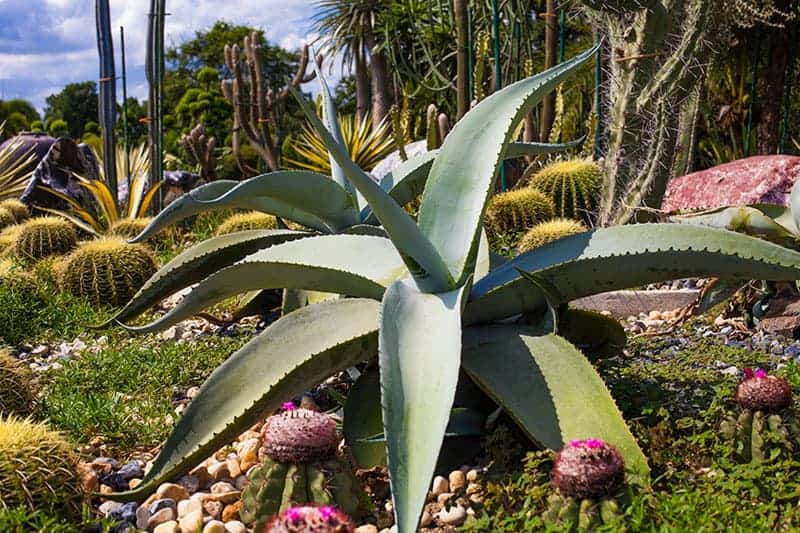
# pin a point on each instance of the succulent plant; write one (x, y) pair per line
(573, 185)
(42, 237)
(20, 301)
(597, 335)
(17, 208)
(247, 221)
(6, 218)
(767, 425)
(16, 386)
(37, 467)
(8, 238)
(300, 466)
(588, 475)
(128, 228)
(516, 211)
(310, 519)
(549, 231)
(107, 271)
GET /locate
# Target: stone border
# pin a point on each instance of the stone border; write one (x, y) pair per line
(622, 304)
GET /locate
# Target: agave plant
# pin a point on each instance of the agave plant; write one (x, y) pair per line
(15, 168)
(108, 210)
(422, 298)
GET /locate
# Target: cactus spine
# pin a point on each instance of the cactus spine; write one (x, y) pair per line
(299, 466)
(107, 271)
(17, 208)
(247, 221)
(549, 231)
(43, 237)
(16, 386)
(6, 218)
(516, 211)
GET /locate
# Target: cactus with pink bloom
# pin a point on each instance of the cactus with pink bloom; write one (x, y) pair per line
(310, 519)
(588, 476)
(766, 426)
(300, 466)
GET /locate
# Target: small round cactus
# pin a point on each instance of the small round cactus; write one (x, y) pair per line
(299, 436)
(6, 218)
(549, 231)
(107, 271)
(247, 221)
(516, 211)
(16, 386)
(573, 185)
(8, 239)
(128, 228)
(310, 519)
(759, 391)
(17, 208)
(588, 469)
(43, 237)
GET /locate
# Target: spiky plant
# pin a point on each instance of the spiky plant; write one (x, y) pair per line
(247, 221)
(37, 466)
(417, 288)
(17, 208)
(20, 300)
(45, 236)
(299, 466)
(128, 228)
(8, 238)
(16, 167)
(572, 184)
(107, 271)
(7, 218)
(767, 426)
(17, 396)
(310, 519)
(517, 211)
(588, 475)
(549, 231)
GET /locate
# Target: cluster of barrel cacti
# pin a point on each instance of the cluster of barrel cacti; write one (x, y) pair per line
(301, 477)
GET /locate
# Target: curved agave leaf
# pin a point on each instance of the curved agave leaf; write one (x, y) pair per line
(462, 176)
(420, 353)
(780, 214)
(354, 265)
(185, 206)
(405, 182)
(743, 219)
(417, 251)
(484, 262)
(795, 203)
(626, 256)
(196, 263)
(283, 361)
(549, 388)
(308, 198)
(521, 149)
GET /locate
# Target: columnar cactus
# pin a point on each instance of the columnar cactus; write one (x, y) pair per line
(766, 426)
(588, 475)
(573, 185)
(42, 237)
(299, 466)
(310, 519)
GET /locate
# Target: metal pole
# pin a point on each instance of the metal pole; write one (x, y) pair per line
(125, 110)
(498, 76)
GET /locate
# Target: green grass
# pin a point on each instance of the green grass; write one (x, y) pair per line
(21, 520)
(124, 394)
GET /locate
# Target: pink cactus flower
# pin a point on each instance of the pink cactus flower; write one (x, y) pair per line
(761, 373)
(288, 406)
(326, 512)
(594, 443)
(294, 514)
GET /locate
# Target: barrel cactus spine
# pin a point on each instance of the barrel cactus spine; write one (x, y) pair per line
(299, 466)
(44, 237)
(6, 218)
(514, 212)
(549, 231)
(128, 228)
(767, 426)
(573, 185)
(247, 221)
(17, 208)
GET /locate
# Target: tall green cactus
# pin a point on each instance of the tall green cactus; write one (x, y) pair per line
(108, 92)
(154, 66)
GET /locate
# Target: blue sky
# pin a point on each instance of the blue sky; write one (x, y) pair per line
(45, 44)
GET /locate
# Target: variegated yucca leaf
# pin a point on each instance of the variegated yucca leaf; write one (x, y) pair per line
(795, 204)
(743, 219)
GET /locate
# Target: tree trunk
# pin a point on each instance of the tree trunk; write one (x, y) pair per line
(362, 85)
(774, 76)
(550, 50)
(462, 58)
(381, 92)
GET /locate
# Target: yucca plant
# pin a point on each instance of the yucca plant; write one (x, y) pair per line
(15, 168)
(366, 145)
(108, 211)
(425, 303)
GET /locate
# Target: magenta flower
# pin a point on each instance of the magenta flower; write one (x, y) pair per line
(761, 373)
(575, 443)
(326, 512)
(288, 406)
(294, 514)
(594, 443)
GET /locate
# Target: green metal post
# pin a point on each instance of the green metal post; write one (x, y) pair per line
(125, 110)
(498, 73)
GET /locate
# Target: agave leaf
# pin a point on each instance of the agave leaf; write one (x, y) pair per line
(780, 214)
(280, 363)
(484, 263)
(308, 198)
(198, 262)
(795, 203)
(549, 388)
(185, 206)
(627, 256)
(463, 174)
(405, 182)
(521, 149)
(419, 350)
(354, 265)
(419, 254)
(743, 219)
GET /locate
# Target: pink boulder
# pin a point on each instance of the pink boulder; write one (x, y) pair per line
(759, 179)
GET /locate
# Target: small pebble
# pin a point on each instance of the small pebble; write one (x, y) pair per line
(426, 519)
(472, 475)
(454, 516)
(214, 526)
(164, 503)
(443, 497)
(109, 507)
(234, 526)
(213, 508)
(457, 480)
(164, 515)
(189, 506)
(167, 527)
(171, 490)
(231, 512)
(192, 521)
(440, 485)
(142, 516)
(368, 528)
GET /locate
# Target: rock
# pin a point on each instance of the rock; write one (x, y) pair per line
(224, 492)
(754, 180)
(231, 512)
(142, 516)
(133, 483)
(203, 477)
(105, 489)
(440, 485)
(164, 515)
(108, 507)
(104, 465)
(122, 527)
(234, 470)
(167, 527)
(241, 482)
(171, 490)
(126, 512)
(191, 392)
(190, 483)
(214, 526)
(192, 521)
(472, 475)
(426, 519)
(164, 503)
(213, 508)
(443, 497)
(457, 480)
(90, 481)
(454, 516)
(367, 528)
(219, 471)
(189, 506)
(234, 526)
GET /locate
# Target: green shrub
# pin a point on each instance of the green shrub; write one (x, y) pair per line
(20, 303)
